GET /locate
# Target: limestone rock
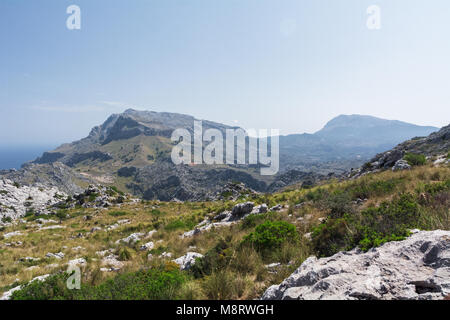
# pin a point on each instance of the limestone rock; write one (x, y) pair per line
(7, 295)
(16, 200)
(58, 255)
(147, 246)
(131, 239)
(242, 208)
(401, 165)
(415, 268)
(188, 260)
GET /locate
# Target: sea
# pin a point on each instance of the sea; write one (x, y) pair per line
(15, 156)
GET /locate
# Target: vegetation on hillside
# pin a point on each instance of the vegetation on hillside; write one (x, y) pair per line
(322, 220)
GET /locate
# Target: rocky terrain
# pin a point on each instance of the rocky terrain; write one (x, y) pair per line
(17, 200)
(436, 146)
(54, 174)
(416, 268)
(240, 246)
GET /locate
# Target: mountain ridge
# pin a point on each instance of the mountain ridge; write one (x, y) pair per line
(132, 150)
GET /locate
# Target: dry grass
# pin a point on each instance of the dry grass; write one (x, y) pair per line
(245, 277)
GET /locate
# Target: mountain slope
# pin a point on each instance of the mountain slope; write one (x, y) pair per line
(436, 144)
(253, 249)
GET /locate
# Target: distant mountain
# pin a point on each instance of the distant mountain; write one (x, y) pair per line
(360, 130)
(132, 151)
(348, 139)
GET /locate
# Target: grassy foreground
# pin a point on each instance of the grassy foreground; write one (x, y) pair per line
(321, 221)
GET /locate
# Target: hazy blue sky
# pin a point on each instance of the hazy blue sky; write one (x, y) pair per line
(284, 64)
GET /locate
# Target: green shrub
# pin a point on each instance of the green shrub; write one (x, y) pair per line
(252, 220)
(338, 203)
(215, 259)
(52, 288)
(316, 195)
(370, 228)
(124, 254)
(61, 214)
(365, 189)
(92, 197)
(219, 286)
(156, 213)
(272, 234)
(184, 223)
(435, 188)
(415, 159)
(6, 219)
(117, 213)
(333, 236)
(153, 284)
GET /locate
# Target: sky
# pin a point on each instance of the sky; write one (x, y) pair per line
(275, 64)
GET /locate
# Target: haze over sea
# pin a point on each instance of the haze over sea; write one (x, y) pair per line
(15, 156)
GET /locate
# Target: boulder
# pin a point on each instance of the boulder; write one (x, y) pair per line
(58, 255)
(262, 208)
(147, 246)
(242, 208)
(188, 260)
(278, 207)
(416, 268)
(131, 239)
(112, 262)
(401, 165)
(166, 255)
(77, 262)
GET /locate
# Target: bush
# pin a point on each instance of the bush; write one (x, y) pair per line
(339, 203)
(316, 195)
(252, 220)
(364, 189)
(184, 223)
(124, 254)
(271, 235)
(435, 188)
(156, 213)
(153, 284)
(218, 286)
(332, 236)
(215, 259)
(224, 285)
(117, 213)
(371, 228)
(6, 219)
(52, 288)
(415, 159)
